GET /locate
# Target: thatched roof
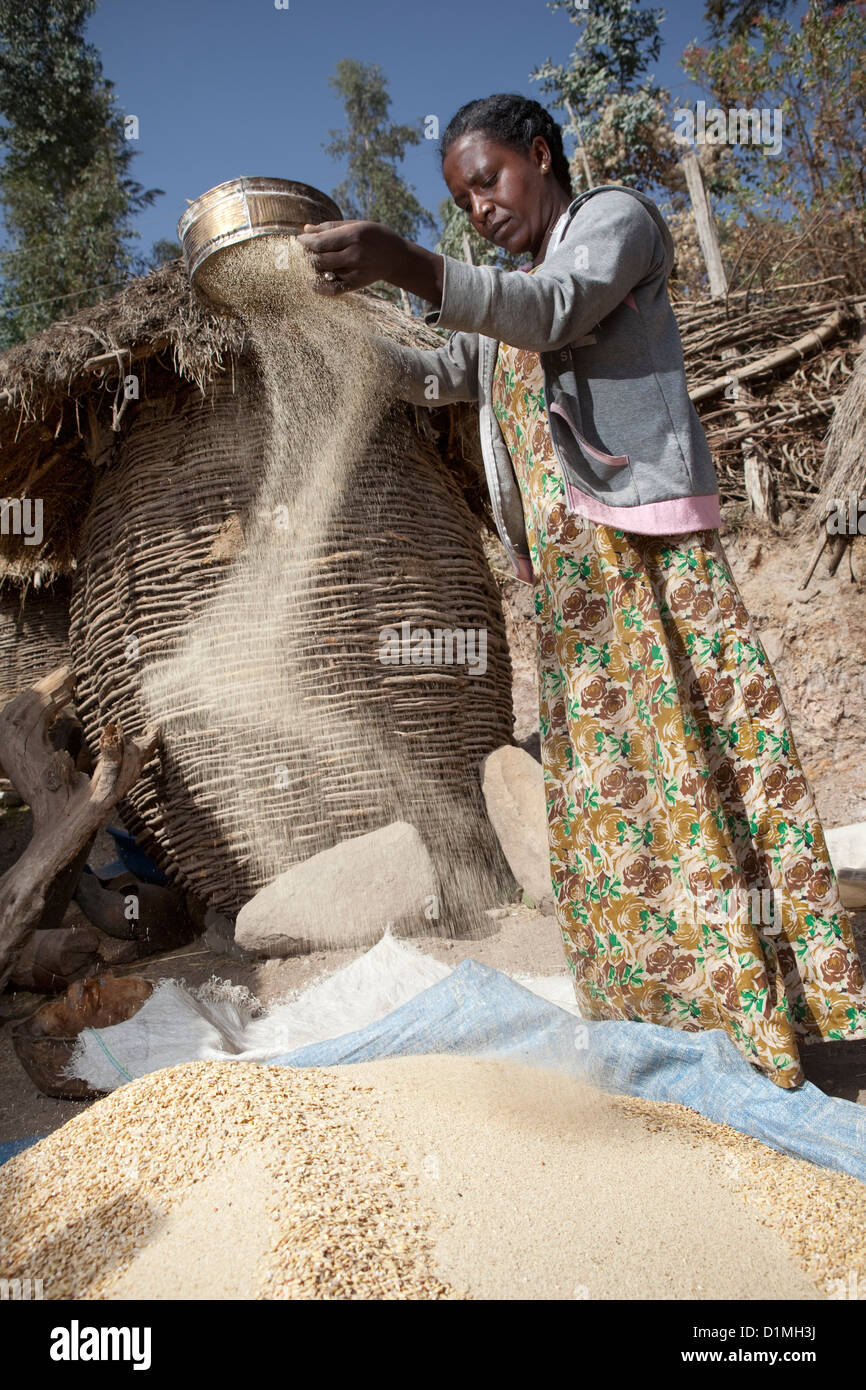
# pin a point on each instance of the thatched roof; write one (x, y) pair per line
(62, 411)
(158, 313)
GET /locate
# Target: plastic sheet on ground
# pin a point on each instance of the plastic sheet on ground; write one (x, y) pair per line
(10, 1147)
(219, 1021)
(482, 1013)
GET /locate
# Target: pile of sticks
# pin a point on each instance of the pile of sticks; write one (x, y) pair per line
(765, 378)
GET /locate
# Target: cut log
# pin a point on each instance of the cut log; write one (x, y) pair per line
(153, 916)
(760, 489)
(59, 894)
(757, 474)
(67, 805)
(51, 960)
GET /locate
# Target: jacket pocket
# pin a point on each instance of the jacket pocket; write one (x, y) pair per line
(612, 460)
(607, 478)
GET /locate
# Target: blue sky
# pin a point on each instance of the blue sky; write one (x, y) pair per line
(230, 87)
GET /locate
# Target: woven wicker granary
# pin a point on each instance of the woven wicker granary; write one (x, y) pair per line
(145, 506)
(164, 524)
(34, 635)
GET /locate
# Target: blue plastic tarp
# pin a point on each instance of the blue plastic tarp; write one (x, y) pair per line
(10, 1147)
(480, 1012)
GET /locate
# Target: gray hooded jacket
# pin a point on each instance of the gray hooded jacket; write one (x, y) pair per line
(627, 438)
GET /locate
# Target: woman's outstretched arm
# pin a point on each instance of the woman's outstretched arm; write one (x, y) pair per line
(612, 245)
(432, 376)
(359, 253)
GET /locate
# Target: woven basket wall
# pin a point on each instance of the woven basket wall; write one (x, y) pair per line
(164, 524)
(34, 636)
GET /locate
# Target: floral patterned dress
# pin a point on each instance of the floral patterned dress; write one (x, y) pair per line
(693, 886)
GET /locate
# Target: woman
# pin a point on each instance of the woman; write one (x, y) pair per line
(692, 883)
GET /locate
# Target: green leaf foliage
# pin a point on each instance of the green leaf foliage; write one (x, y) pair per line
(66, 191)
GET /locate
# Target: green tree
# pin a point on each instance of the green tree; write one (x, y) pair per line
(727, 17)
(804, 207)
(164, 250)
(736, 17)
(614, 107)
(623, 120)
(373, 147)
(66, 193)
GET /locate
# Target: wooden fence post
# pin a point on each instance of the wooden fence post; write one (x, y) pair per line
(705, 225)
(757, 474)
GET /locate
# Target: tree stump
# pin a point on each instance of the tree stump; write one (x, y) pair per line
(68, 806)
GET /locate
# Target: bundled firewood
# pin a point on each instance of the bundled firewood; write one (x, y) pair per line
(768, 373)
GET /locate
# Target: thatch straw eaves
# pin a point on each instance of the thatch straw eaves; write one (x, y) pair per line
(843, 473)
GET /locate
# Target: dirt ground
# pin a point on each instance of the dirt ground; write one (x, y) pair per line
(815, 640)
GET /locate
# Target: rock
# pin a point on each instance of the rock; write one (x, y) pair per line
(344, 896)
(771, 641)
(847, 848)
(219, 934)
(852, 888)
(513, 786)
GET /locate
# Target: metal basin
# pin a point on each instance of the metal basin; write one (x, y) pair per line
(248, 207)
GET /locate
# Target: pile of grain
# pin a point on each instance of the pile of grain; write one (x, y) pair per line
(219, 1180)
(416, 1178)
(819, 1214)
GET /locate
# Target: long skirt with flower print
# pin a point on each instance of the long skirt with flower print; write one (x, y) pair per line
(692, 882)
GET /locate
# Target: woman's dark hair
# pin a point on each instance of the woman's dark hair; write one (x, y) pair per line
(513, 121)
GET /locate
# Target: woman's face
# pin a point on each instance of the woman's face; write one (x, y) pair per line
(508, 199)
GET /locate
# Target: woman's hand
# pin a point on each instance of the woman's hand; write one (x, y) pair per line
(356, 253)
(359, 253)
